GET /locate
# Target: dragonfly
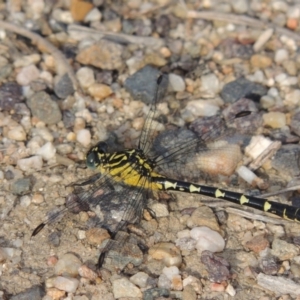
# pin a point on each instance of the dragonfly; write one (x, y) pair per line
(124, 180)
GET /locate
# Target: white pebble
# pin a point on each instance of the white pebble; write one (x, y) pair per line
(176, 82)
(207, 239)
(281, 55)
(93, 15)
(68, 264)
(63, 16)
(25, 201)
(33, 162)
(17, 133)
(170, 272)
(230, 290)
(83, 137)
(27, 60)
(47, 151)
(210, 85)
(160, 209)
(66, 284)
(140, 279)
(124, 288)
(201, 108)
(85, 77)
(292, 98)
(27, 74)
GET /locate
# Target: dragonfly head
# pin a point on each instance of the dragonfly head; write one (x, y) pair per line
(95, 154)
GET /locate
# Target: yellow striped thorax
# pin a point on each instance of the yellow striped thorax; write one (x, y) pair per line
(129, 166)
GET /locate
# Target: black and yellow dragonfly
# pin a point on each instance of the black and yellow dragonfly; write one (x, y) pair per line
(124, 179)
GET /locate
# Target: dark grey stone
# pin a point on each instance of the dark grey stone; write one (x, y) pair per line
(64, 87)
(44, 108)
(240, 88)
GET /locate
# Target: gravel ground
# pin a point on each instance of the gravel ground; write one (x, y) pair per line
(73, 73)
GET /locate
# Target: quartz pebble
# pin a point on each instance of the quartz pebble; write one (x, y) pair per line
(68, 264)
(274, 119)
(124, 288)
(83, 136)
(17, 133)
(85, 77)
(27, 75)
(176, 82)
(207, 239)
(47, 151)
(140, 279)
(66, 284)
(31, 163)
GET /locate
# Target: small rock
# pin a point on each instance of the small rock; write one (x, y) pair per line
(35, 292)
(295, 123)
(104, 54)
(262, 39)
(44, 108)
(176, 82)
(240, 6)
(21, 186)
(99, 91)
(96, 236)
(93, 16)
(203, 216)
(31, 163)
(63, 87)
(47, 151)
(54, 294)
(284, 250)
(10, 94)
(66, 284)
(83, 137)
(217, 267)
(17, 133)
(68, 264)
(281, 55)
(207, 239)
(194, 282)
(167, 252)
(274, 119)
(210, 85)
(159, 209)
(27, 75)
(238, 224)
(86, 272)
(140, 279)
(230, 290)
(124, 288)
(258, 243)
(80, 9)
(241, 88)
(85, 77)
(260, 61)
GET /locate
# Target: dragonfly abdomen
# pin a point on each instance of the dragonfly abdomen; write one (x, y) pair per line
(282, 210)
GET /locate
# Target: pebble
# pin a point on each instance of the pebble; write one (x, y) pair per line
(86, 272)
(104, 54)
(284, 250)
(27, 60)
(159, 209)
(295, 123)
(85, 77)
(239, 224)
(124, 288)
(207, 239)
(210, 85)
(96, 236)
(217, 267)
(10, 95)
(67, 284)
(274, 119)
(203, 216)
(94, 15)
(99, 91)
(140, 279)
(47, 151)
(240, 6)
(155, 293)
(83, 137)
(194, 282)
(35, 292)
(260, 61)
(27, 75)
(257, 146)
(230, 290)
(21, 186)
(176, 82)
(199, 108)
(17, 133)
(54, 294)
(44, 108)
(167, 252)
(63, 87)
(142, 84)
(189, 293)
(80, 9)
(240, 88)
(68, 265)
(31, 163)
(257, 243)
(281, 55)
(25, 201)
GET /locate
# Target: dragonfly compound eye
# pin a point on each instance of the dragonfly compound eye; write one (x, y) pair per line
(92, 159)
